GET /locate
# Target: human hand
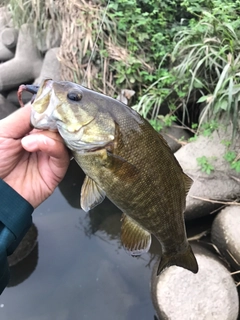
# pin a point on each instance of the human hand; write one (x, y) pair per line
(34, 164)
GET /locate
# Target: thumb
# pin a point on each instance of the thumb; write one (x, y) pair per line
(53, 146)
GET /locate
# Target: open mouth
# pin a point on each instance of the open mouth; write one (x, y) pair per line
(37, 91)
(42, 109)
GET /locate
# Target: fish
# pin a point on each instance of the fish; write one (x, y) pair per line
(124, 159)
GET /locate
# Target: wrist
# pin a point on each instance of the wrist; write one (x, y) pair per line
(15, 211)
(21, 189)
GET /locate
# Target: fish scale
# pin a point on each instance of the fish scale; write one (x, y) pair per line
(125, 159)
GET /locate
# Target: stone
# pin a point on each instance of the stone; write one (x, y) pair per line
(13, 97)
(222, 184)
(9, 37)
(51, 68)
(49, 38)
(22, 270)
(25, 66)
(173, 135)
(71, 184)
(25, 247)
(125, 96)
(5, 18)
(6, 53)
(225, 234)
(6, 107)
(211, 294)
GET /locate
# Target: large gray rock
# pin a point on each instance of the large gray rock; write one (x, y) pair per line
(173, 135)
(13, 97)
(49, 38)
(6, 107)
(125, 96)
(51, 68)
(221, 184)
(5, 18)
(6, 52)
(25, 247)
(210, 294)
(226, 234)
(9, 37)
(25, 66)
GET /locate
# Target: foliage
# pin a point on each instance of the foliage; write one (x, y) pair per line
(232, 158)
(207, 57)
(108, 47)
(178, 55)
(205, 164)
(147, 29)
(41, 14)
(203, 76)
(162, 121)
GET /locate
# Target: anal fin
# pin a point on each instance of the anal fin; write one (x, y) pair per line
(91, 194)
(135, 239)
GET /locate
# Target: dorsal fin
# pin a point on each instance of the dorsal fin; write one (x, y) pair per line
(164, 142)
(187, 182)
(91, 194)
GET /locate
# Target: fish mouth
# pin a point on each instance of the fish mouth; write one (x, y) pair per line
(42, 109)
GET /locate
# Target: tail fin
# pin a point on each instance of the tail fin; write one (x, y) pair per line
(184, 259)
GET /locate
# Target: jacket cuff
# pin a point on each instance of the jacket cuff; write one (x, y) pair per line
(15, 214)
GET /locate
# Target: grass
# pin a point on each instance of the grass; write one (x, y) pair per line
(207, 56)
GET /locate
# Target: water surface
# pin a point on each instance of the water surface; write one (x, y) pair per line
(79, 269)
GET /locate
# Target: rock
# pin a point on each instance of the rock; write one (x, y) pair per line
(9, 37)
(125, 96)
(20, 271)
(6, 107)
(174, 133)
(221, 184)
(6, 53)
(49, 38)
(25, 247)
(25, 66)
(71, 184)
(226, 234)
(13, 98)
(51, 68)
(5, 18)
(208, 295)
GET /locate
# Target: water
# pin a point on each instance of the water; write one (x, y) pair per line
(79, 269)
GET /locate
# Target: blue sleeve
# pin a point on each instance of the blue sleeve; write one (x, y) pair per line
(15, 221)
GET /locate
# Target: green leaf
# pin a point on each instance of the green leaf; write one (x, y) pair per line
(202, 99)
(230, 156)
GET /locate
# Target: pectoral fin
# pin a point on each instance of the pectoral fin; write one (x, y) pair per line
(122, 168)
(134, 238)
(91, 194)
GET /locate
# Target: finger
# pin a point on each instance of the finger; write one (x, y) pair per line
(17, 124)
(51, 134)
(49, 142)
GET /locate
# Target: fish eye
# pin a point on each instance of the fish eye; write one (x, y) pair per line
(74, 96)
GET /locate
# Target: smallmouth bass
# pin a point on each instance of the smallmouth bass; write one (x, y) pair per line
(125, 159)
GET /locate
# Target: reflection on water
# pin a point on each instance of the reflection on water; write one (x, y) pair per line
(22, 270)
(79, 269)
